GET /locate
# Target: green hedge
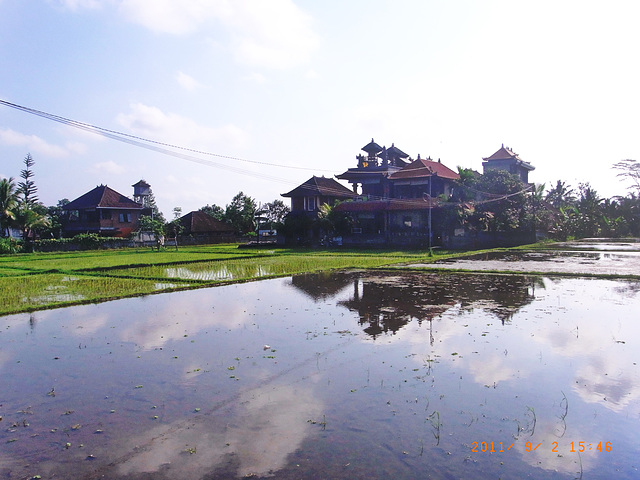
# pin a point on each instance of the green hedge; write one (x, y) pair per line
(83, 241)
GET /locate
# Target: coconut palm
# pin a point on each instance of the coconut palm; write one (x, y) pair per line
(8, 204)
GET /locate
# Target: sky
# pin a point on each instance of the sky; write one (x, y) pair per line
(262, 94)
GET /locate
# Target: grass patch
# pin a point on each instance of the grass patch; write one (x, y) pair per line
(33, 292)
(46, 280)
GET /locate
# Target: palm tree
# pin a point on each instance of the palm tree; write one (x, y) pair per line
(8, 204)
(562, 195)
(30, 220)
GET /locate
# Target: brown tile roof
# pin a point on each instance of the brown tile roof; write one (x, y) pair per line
(102, 197)
(201, 222)
(502, 154)
(424, 168)
(320, 186)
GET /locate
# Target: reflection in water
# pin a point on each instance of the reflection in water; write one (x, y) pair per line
(388, 302)
(267, 425)
(366, 375)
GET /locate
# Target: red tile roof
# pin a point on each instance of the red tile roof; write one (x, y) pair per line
(102, 197)
(503, 154)
(424, 168)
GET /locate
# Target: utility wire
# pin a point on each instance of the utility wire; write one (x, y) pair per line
(140, 141)
(163, 147)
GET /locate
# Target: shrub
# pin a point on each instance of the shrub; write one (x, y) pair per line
(10, 245)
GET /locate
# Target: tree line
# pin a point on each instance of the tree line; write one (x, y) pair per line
(500, 201)
(21, 209)
(496, 201)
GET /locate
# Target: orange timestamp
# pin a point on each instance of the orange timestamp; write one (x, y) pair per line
(500, 447)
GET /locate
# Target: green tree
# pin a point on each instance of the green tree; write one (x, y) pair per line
(466, 186)
(56, 216)
(30, 216)
(331, 221)
(154, 226)
(27, 188)
(589, 205)
(240, 213)
(174, 226)
(214, 210)
(8, 204)
(155, 211)
(504, 201)
(561, 195)
(275, 212)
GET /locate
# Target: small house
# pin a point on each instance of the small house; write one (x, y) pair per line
(103, 211)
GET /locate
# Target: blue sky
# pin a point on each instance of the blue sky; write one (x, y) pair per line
(305, 84)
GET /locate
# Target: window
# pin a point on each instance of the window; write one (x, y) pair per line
(74, 215)
(125, 218)
(310, 203)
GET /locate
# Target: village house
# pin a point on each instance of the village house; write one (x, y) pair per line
(307, 198)
(506, 159)
(393, 197)
(106, 212)
(200, 227)
(394, 200)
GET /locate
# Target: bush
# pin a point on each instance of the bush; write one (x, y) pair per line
(83, 241)
(10, 245)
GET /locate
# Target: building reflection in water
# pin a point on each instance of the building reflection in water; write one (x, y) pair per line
(386, 301)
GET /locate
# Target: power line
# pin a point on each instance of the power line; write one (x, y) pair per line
(163, 147)
(142, 142)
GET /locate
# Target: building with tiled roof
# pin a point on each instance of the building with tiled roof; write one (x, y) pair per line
(199, 223)
(309, 196)
(393, 197)
(507, 159)
(103, 211)
(396, 200)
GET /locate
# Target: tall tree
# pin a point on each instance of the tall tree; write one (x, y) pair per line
(27, 188)
(8, 204)
(155, 211)
(561, 195)
(30, 215)
(240, 213)
(590, 221)
(630, 170)
(275, 212)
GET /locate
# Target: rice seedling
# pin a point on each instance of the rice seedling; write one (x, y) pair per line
(46, 280)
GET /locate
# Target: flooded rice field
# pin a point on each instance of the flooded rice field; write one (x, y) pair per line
(344, 375)
(591, 257)
(569, 262)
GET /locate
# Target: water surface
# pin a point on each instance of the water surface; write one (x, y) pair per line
(343, 375)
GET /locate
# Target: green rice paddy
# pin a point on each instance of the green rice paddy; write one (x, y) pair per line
(37, 281)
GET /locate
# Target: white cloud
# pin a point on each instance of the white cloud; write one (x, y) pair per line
(154, 124)
(34, 144)
(108, 167)
(255, 77)
(187, 81)
(79, 4)
(273, 34)
(169, 16)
